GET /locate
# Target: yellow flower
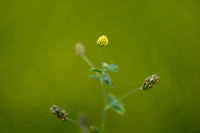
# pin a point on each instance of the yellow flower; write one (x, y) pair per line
(102, 41)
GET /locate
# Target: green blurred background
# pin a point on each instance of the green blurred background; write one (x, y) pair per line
(39, 68)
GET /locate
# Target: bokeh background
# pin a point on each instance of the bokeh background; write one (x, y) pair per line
(39, 68)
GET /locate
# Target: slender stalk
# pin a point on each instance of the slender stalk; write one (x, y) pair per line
(73, 121)
(104, 95)
(108, 107)
(87, 61)
(129, 93)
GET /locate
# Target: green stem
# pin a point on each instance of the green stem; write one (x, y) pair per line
(89, 63)
(73, 121)
(104, 95)
(129, 93)
(108, 107)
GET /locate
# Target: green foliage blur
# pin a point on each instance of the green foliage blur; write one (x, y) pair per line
(39, 67)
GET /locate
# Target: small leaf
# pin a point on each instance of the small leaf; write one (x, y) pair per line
(107, 80)
(96, 70)
(94, 77)
(115, 104)
(94, 129)
(113, 67)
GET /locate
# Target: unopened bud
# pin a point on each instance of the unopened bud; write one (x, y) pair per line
(79, 49)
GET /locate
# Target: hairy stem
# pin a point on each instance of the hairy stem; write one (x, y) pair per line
(73, 121)
(104, 95)
(129, 93)
(89, 63)
(108, 107)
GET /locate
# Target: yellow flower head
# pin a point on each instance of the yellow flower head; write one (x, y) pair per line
(102, 41)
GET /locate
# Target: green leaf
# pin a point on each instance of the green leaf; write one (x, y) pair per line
(94, 77)
(115, 104)
(94, 129)
(113, 67)
(96, 70)
(107, 80)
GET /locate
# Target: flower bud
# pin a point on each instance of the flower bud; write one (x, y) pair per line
(105, 65)
(150, 82)
(79, 49)
(102, 41)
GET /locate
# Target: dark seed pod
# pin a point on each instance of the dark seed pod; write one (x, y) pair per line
(150, 82)
(60, 114)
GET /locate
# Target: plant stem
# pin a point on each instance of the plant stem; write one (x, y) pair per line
(129, 93)
(104, 94)
(73, 121)
(87, 61)
(108, 107)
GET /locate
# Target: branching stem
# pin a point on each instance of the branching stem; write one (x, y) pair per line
(108, 107)
(129, 93)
